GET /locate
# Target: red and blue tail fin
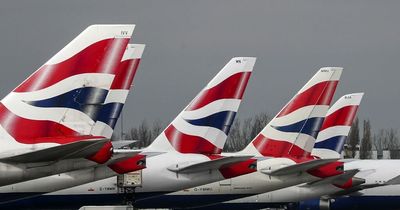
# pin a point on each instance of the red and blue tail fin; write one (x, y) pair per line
(110, 111)
(203, 126)
(292, 132)
(336, 126)
(57, 103)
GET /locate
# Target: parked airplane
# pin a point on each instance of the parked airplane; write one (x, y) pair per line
(312, 101)
(365, 185)
(333, 134)
(189, 148)
(111, 110)
(52, 122)
(381, 189)
(282, 148)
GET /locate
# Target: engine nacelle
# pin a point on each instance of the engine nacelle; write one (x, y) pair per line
(314, 204)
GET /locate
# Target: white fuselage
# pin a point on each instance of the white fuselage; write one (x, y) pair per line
(14, 173)
(373, 171)
(156, 177)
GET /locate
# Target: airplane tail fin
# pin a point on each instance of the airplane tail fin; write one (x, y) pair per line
(110, 111)
(336, 126)
(293, 130)
(203, 126)
(59, 99)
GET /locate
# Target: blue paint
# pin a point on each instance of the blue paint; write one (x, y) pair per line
(335, 143)
(221, 120)
(88, 100)
(109, 113)
(310, 126)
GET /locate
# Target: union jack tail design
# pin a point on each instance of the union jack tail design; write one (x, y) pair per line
(336, 126)
(202, 127)
(292, 132)
(60, 102)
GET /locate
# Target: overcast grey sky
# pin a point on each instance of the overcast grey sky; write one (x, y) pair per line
(189, 41)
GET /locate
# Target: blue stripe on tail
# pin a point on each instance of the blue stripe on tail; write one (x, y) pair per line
(86, 100)
(310, 126)
(221, 120)
(335, 143)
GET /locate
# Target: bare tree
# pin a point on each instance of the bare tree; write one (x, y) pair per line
(243, 131)
(366, 144)
(393, 143)
(142, 134)
(156, 129)
(234, 137)
(380, 143)
(353, 140)
(259, 122)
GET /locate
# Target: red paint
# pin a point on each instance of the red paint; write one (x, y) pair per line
(328, 170)
(28, 131)
(341, 117)
(319, 94)
(278, 148)
(134, 163)
(126, 73)
(231, 88)
(186, 143)
(347, 185)
(92, 59)
(103, 155)
(238, 169)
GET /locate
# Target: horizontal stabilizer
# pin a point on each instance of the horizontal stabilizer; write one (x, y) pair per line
(207, 165)
(122, 143)
(137, 151)
(393, 181)
(337, 180)
(300, 167)
(356, 189)
(79, 149)
(120, 155)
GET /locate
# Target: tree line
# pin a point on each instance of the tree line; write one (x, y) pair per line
(358, 144)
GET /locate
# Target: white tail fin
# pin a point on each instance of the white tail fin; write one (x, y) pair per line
(53, 101)
(336, 126)
(293, 130)
(111, 109)
(203, 126)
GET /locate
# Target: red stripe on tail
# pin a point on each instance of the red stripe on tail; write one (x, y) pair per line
(278, 148)
(343, 116)
(124, 79)
(92, 59)
(231, 88)
(28, 131)
(319, 94)
(185, 143)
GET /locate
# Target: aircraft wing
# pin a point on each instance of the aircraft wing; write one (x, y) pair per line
(337, 180)
(393, 181)
(79, 149)
(123, 154)
(122, 143)
(356, 189)
(208, 165)
(300, 167)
